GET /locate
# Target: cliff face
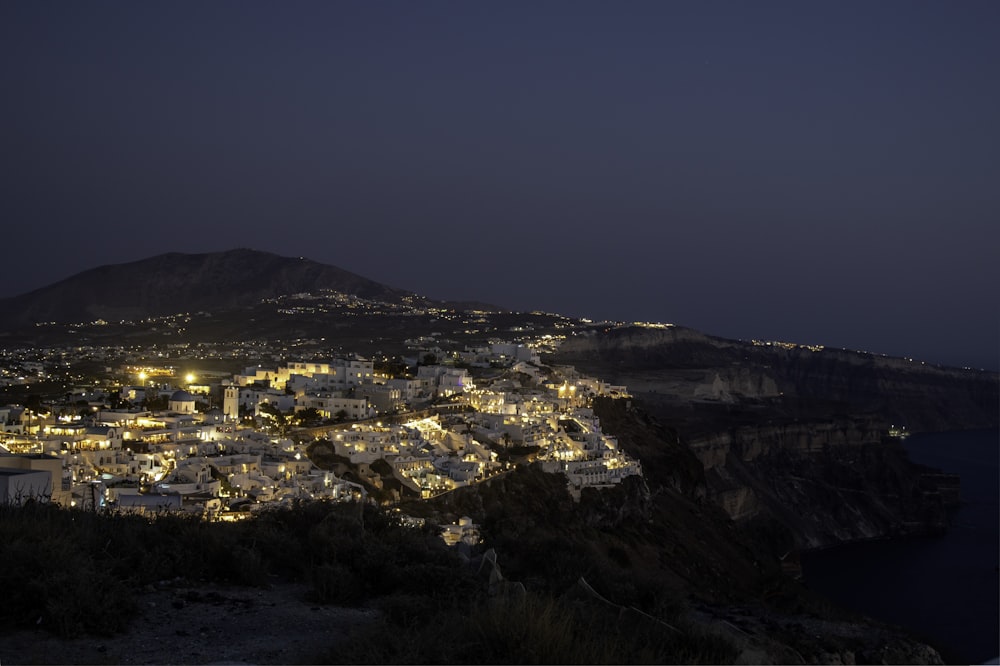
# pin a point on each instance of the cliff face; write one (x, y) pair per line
(795, 436)
(686, 365)
(660, 544)
(829, 482)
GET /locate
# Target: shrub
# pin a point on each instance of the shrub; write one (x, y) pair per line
(530, 629)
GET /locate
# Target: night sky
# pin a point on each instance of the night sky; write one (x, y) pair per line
(816, 172)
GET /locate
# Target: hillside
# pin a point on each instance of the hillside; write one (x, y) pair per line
(174, 283)
(627, 575)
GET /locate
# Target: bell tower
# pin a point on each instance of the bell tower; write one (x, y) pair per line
(231, 402)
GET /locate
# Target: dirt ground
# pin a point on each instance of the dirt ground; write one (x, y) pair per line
(183, 623)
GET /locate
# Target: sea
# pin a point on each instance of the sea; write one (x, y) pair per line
(945, 590)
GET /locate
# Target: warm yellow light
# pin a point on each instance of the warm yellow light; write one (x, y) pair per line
(142, 376)
(189, 378)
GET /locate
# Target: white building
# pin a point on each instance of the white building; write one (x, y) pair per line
(338, 374)
(18, 485)
(445, 381)
(332, 406)
(384, 399)
(181, 402)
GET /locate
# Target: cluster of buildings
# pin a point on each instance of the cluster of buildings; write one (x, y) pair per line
(343, 389)
(221, 454)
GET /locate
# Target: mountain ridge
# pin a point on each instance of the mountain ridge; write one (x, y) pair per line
(179, 282)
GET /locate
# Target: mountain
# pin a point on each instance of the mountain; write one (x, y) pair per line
(176, 282)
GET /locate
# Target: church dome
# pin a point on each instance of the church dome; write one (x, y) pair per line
(182, 396)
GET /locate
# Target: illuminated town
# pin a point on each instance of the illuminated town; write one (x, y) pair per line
(174, 437)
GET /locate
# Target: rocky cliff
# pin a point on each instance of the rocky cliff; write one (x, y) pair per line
(829, 482)
(659, 546)
(687, 365)
(796, 436)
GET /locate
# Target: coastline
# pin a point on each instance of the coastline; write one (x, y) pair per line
(939, 588)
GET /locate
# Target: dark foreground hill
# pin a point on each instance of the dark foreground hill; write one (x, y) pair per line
(625, 576)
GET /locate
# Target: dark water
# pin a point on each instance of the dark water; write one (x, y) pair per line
(944, 589)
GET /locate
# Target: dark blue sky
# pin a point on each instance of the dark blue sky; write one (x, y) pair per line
(819, 172)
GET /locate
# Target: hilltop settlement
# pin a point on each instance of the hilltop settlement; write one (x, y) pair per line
(465, 424)
(342, 429)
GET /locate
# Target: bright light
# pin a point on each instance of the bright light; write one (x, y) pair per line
(189, 378)
(142, 376)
